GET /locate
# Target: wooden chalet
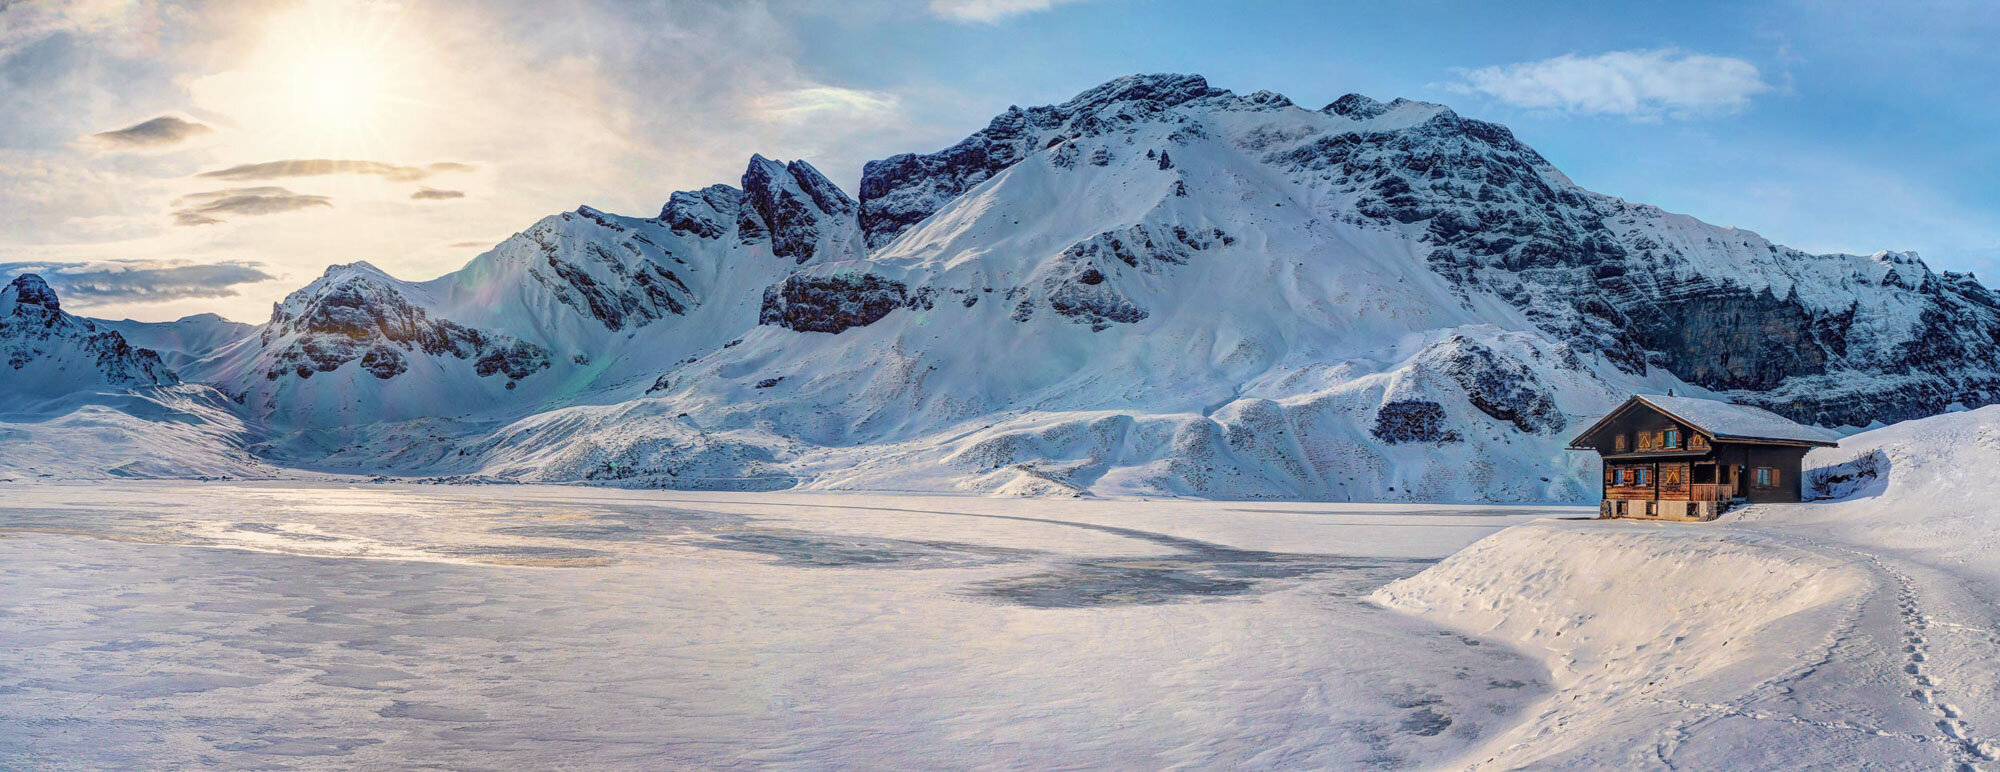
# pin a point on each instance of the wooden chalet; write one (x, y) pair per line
(1681, 458)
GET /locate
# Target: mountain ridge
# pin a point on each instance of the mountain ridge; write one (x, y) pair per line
(1156, 287)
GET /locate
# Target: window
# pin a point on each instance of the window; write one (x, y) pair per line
(1673, 439)
(1639, 476)
(1618, 475)
(1766, 477)
(1645, 440)
(1621, 443)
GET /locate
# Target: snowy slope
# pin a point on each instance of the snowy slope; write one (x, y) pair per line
(183, 341)
(1851, 632)
(176, 432)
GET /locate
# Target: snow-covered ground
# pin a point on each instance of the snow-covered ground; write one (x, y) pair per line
(284, 624)
(313, 623)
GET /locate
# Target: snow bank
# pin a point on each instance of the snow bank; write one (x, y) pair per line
(1634, 621)
(1926, 485)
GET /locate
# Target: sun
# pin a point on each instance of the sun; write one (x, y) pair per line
(338, 74)
(337, 85)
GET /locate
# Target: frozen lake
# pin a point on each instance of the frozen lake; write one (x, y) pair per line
(259, 625)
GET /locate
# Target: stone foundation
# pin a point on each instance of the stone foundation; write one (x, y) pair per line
(1686, 511)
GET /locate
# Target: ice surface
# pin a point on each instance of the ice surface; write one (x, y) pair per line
(284, 625)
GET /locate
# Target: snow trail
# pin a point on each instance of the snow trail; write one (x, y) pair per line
(1912, 623)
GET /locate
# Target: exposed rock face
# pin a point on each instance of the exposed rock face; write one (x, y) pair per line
(33, 296)
(804, 213)
(1083, 284)
(1720, 308)
(1499, 385)
(1412, 420)
(356, 312)
(831, 304)
(48, 351)
(620, 291)
(705, 213)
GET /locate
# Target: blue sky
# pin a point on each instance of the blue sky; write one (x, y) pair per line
(1831, 127)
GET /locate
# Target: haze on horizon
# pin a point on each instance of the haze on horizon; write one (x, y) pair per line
(161, 159)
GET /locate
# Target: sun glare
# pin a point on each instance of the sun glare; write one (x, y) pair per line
(337, 86)
(329, 65)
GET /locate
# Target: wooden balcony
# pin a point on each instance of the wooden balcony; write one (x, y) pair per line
(1711, 492)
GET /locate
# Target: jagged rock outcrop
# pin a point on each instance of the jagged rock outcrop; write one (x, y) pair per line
(804, 214)
(707, 213)
(832, 304)
(615, 285)
(1412, 420)
(1498, 384)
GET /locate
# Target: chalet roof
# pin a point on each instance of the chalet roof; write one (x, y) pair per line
(1727, 421)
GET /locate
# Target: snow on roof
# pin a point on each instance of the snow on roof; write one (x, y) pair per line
(1727, 420)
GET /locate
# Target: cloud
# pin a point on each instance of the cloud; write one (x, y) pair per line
(469, 244)
(313, 167)
(819, 102)
(209, 208)
(989, 11)
(129, 28)
(434, 194)
(141, 281)
(158, 132)
(1642, 85)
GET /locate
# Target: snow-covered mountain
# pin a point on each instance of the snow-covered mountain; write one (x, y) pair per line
(1156, 287)
(77, 400)
(50, 352)
(183, 341)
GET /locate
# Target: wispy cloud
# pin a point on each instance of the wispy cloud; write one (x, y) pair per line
(158, 132)
(434, 194)
(213, 206)
(990, 11)
(1642, 85)
(141, 281)
(819, 102)
(314, 167)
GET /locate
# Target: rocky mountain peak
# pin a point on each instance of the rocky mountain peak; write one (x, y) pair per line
(805, 214)
(64, 353)
(30, 290)
(1155, 90)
